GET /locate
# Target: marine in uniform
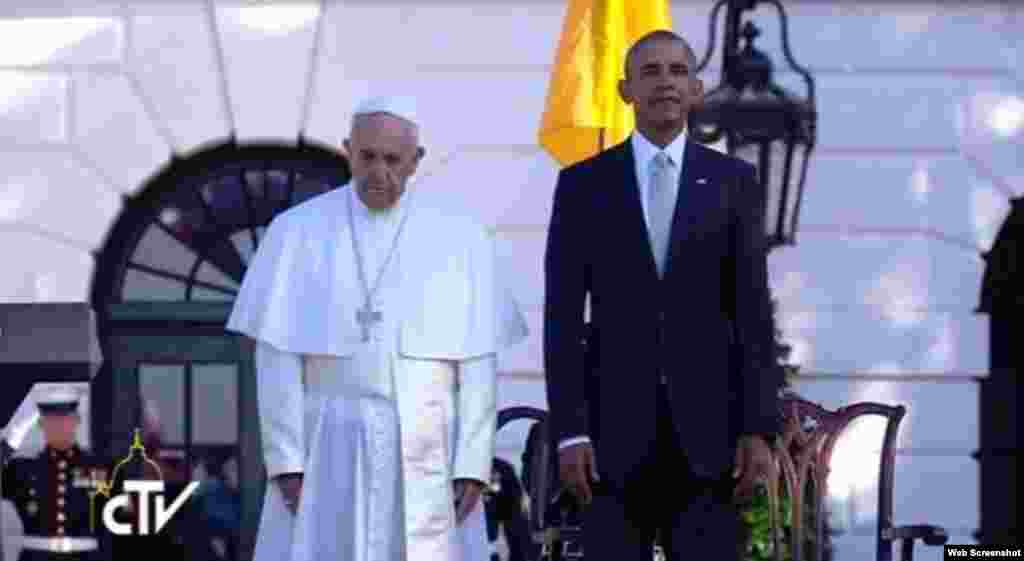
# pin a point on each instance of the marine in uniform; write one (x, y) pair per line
(52, 491)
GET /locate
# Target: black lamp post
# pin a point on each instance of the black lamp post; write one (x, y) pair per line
(760, 121)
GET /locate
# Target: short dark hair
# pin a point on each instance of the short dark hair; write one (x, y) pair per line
(655, 36)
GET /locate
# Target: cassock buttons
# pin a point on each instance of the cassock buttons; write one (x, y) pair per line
(63, 464)
(60, 501)
(61, 488)
(60, 517)
(62, 476)
(60, 530)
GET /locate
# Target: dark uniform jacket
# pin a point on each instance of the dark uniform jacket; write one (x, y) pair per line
(52, 494)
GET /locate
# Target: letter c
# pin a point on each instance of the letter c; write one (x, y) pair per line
(118, 528)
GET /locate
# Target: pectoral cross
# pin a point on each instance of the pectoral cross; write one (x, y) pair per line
(367, 316)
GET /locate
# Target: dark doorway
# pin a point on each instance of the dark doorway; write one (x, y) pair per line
(163, 288)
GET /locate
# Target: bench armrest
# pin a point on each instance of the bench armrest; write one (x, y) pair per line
(930, 535)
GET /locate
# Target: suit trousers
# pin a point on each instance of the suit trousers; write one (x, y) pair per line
(693, 517)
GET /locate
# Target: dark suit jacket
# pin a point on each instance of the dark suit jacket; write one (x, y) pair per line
(707, 325)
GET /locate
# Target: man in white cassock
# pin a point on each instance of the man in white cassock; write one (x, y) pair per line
(378, 316)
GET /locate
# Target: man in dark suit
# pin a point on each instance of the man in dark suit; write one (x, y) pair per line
(670, 420)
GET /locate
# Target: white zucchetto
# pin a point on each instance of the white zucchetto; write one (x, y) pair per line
(403, 107)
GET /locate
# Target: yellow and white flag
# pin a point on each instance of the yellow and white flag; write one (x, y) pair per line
(584, 113)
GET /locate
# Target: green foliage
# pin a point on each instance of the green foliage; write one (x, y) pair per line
(755, 516)
(756, 526)
(757, 523)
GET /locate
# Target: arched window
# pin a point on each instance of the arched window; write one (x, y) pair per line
(189, 235)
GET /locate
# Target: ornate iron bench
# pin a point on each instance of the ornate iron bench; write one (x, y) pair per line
(803, 456)
(803, 452)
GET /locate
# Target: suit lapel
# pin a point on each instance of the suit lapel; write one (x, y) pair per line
(634, 210)
(690, 199)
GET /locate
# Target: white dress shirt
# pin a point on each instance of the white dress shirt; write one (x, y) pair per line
(644, 152)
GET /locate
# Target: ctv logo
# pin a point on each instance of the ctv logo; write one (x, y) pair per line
(145, 490)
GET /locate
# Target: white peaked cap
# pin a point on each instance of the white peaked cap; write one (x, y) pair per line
(61, 398)
(403, 107)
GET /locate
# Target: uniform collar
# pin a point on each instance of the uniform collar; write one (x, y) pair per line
(55, 455)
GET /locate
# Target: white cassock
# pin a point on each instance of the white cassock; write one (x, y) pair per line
(399, 416)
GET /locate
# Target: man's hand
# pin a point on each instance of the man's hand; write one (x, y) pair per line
(577, 466)
(291, 487)
(753, 464)
(467, 495)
